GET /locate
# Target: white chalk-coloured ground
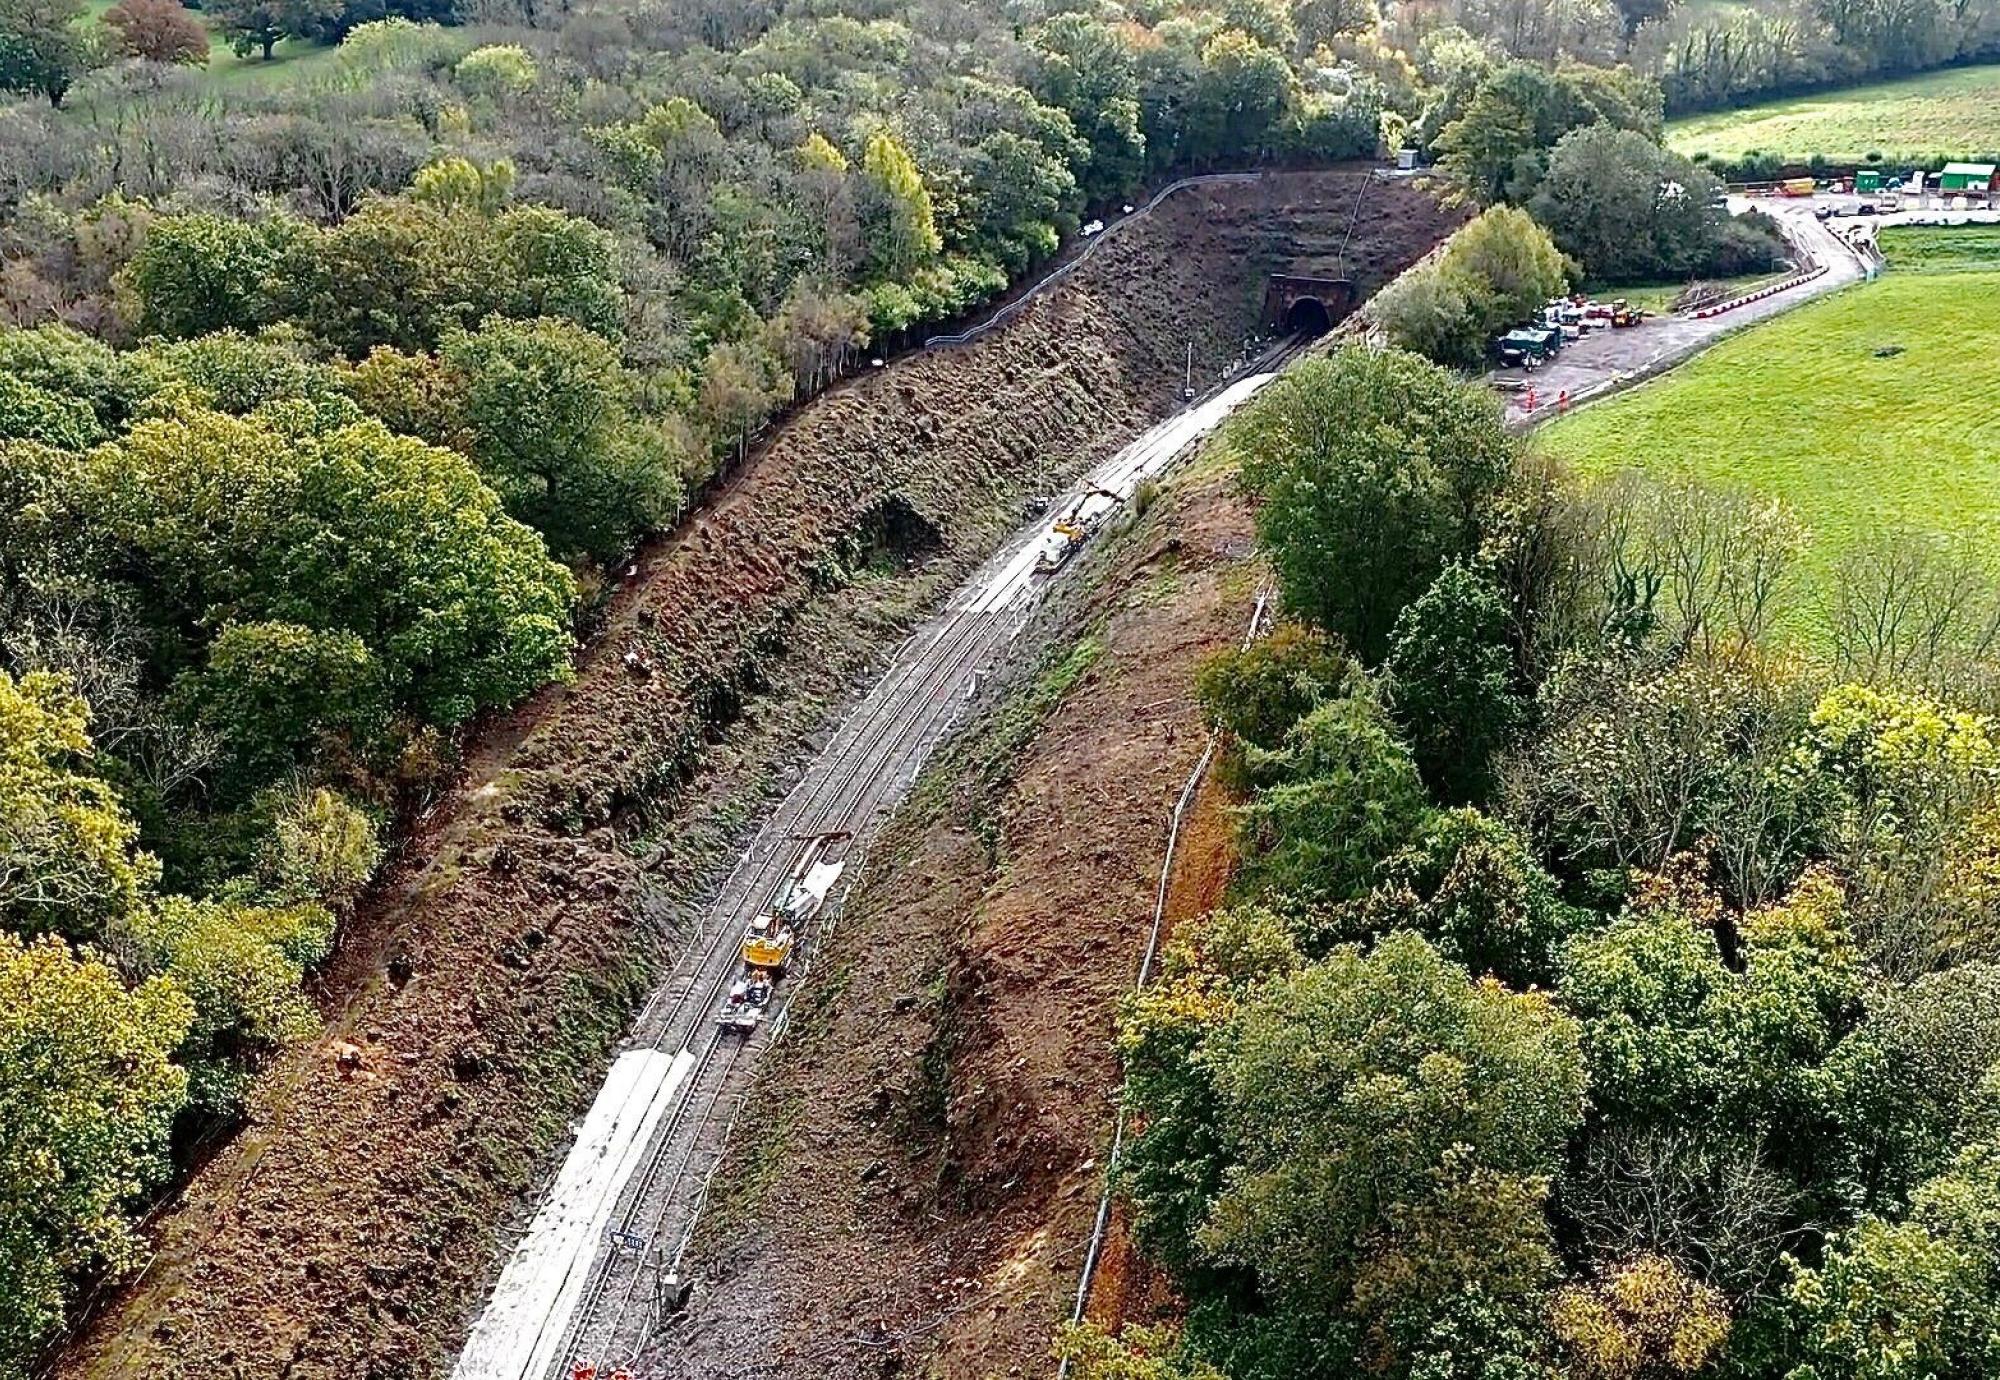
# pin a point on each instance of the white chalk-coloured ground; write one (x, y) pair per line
(517, 1336)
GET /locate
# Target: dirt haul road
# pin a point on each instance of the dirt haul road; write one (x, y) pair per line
(353, 1228)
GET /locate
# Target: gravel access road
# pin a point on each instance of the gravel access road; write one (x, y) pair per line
(1609, 359)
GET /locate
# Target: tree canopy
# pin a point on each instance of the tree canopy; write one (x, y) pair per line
(1372, 469)
(1670, 1054)
(87, 1090)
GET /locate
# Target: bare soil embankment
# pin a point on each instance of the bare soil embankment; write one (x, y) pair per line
(352, 1226)
(912, 1189)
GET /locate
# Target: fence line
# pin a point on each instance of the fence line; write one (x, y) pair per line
(1091, 246)
(1186, 798)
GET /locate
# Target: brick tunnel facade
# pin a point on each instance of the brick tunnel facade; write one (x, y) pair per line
(1296, 304)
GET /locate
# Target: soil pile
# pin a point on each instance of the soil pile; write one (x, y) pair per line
(352, 1226)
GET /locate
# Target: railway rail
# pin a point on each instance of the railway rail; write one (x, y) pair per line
(600, 1268)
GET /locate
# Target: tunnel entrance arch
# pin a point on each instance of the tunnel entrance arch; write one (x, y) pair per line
(1295, 304)
(1308, 317)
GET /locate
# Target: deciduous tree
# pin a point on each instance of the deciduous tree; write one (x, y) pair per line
(29, 413)
(1451, 682)
(70, 862)
(1674, 1037)
(257, 25)
(1084, 66)
(241, 966)
(1427, 312)
(1903, 1300)
(497, 71)
(89, 1093)
(1642, 764)
(901, 224)
(1243, 100)
(43, 47)
(1472, 886)
(1386, 1124)
(200, 273)
(1374, 469)
(545, 412)
(253, 522)
(1506, 266)
(1336, 797)
(1644, 1319)
(158, 31)
(1258, 692)
(741, 385)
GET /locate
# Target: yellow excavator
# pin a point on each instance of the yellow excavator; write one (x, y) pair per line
(770, 938)
(1068, 533)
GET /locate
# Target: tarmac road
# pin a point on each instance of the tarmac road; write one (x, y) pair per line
(586, 1280)
(1608, 358)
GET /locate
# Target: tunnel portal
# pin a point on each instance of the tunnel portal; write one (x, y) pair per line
(1298, 305)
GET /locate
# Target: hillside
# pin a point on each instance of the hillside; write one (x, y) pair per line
(487, 979)
(1924, 120)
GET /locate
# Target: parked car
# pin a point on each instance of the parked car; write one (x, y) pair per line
(1565, 319)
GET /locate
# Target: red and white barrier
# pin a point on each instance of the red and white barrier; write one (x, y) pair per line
(1772, 291)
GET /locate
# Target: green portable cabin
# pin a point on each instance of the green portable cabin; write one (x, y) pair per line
(1968, 177)
(1868, 180)
(1527, 346)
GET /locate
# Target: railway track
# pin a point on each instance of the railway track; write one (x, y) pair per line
(596, 1273)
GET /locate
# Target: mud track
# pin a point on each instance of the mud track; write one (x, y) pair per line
(352, 1226)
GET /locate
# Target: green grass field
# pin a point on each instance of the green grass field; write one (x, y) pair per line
(1952, 114)
(1942, 249)
(1870, 411)
(291, 60)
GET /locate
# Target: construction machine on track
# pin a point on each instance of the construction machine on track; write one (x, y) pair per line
(772, 937)
(1068, 533)
(743, 1008)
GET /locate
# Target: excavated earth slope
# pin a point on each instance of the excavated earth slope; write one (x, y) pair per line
(912, 1190)
(352, 1226)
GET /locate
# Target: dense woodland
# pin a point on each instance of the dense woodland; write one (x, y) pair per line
(326, 406)
(1603, 993)
(333, 383)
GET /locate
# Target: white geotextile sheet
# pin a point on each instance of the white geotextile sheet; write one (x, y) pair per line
(524, 1323)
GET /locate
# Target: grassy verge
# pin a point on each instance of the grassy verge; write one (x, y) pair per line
(1942, 114)
(1942, 249)
(1659, 297)
(1869, 411)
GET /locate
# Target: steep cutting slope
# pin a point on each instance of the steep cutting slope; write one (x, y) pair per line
(913, 1189)
(350, 1228)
